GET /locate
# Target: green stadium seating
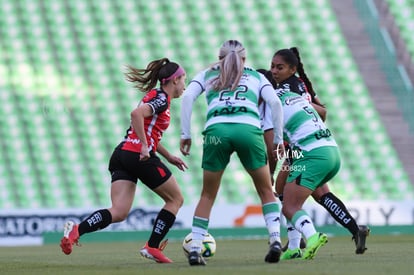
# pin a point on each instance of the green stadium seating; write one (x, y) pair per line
(403, 12)
(67, 104)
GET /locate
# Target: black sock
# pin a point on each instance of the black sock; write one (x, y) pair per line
(96, 221)
(338, 211)
(162, 225)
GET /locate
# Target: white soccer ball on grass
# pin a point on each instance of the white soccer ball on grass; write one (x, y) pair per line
(208, 249)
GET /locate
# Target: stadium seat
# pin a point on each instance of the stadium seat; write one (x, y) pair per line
(68, 100)
(403, 12)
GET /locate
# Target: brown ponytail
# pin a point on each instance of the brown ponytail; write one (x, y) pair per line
(157, 70)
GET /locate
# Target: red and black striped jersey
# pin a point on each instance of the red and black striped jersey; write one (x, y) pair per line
(296, 85)
(154, 125)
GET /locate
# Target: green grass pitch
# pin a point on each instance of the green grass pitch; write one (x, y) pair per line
(385, 255)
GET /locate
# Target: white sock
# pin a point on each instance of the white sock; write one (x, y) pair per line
(294, 236)
(271, 215)
(199, 230)
(303, 223)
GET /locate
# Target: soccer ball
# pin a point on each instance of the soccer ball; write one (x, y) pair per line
(208, 249)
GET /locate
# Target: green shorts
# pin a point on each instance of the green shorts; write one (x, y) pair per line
(316, 167)
(221, 140)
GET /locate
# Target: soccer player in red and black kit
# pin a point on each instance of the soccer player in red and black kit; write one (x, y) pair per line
(135, 158)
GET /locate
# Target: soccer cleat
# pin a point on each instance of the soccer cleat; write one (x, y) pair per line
(155, 254)
(196, 259)
(315, 242)
(302, 245)
(275, 250)
(360, 239)
(290, 254)
(70, 237)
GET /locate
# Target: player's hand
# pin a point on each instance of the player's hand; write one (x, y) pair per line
(177, 162)
(185, 146)
(144, 154)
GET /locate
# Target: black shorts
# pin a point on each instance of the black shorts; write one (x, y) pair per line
(125, 165)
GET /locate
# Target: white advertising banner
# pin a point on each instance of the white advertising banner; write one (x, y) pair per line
(379, 213)
(25, 227)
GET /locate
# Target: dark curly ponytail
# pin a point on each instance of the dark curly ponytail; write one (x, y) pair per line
(301, 71)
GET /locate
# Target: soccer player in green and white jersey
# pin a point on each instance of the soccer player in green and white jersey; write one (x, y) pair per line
(232, 92)
(316, 159)
(286, 63)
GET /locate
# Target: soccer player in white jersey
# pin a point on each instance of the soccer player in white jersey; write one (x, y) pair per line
(232, 92)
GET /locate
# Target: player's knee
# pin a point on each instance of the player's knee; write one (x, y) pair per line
(175, 201)
(119, 215)
(179, 200)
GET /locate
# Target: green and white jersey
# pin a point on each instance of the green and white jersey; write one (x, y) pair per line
(303, 127)
(226, 106)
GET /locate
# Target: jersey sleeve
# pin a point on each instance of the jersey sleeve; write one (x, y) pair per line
(194, 89)
(158, 103)
(276, 112)
(265, 113)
